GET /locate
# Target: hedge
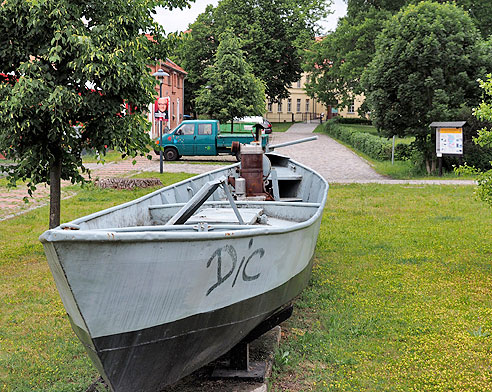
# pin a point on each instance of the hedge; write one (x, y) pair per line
(352, 120)
(379, 148)
(376, 147)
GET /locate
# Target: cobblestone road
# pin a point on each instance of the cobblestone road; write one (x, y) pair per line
(334, 162)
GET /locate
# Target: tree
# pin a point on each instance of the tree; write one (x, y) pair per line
(194, 53)
(484, 113)
(336, 62)
(356, 8)
(272, 34)
(68, 69)
(232, 90)
(427, 60)
(480, 11)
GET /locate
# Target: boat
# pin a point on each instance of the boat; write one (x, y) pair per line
(160, 286)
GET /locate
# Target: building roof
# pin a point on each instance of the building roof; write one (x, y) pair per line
(168, 63)
(175, 67)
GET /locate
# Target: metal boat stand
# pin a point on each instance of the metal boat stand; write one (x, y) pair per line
(240, 367)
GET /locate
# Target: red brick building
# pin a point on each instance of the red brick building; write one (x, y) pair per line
(173, 90)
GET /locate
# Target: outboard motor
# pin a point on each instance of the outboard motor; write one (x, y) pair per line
(252, 169)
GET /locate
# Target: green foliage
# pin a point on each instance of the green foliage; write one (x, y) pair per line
(480, 11)
(194, 52)
(336, 63)
(473, 154)
(351, 120)
(484, 110)
(232, 90)
(374, 146)
(427, 59)
(73, 64)
(484, 139)
(360, 7)
(272, 35)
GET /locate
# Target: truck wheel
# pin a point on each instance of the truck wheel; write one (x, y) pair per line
(170, 154)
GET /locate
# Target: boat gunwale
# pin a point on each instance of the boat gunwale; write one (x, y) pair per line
(102, 235)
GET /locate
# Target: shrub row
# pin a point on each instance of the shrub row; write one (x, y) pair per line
(374, 146)
(380, 148)
(352, 120)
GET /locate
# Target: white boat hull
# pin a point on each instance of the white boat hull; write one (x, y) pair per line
(151, 304)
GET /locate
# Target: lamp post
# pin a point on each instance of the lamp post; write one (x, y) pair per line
(160, 76)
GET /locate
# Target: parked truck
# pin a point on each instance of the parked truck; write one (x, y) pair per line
(201, 137)
(246, 125)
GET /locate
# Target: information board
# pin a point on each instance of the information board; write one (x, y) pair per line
(449, 141)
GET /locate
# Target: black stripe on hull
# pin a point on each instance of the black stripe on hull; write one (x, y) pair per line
(147, 360)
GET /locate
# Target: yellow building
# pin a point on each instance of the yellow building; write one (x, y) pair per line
(300, 107)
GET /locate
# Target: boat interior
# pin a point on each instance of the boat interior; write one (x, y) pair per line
(207, 202)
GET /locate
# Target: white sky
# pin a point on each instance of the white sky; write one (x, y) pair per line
(178, 20)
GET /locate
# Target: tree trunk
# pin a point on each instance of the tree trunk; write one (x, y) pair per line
(55, 193)
(232, 125)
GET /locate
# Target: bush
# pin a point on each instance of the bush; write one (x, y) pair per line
(404, 152)
(374, 146)
(351, 120)
(473, 154)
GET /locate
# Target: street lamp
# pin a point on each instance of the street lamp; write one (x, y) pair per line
(160, 77)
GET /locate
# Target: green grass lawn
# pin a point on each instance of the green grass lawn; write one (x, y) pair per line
(399, 300)
(400, 295)
(38, 350)
(110, 156)
(281, 126)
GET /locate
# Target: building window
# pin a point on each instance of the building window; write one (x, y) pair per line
(279, 109)
(351, 107)
(307, 105)
(289, 105)
(299, 83)
(270, 104)
(298, 107)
